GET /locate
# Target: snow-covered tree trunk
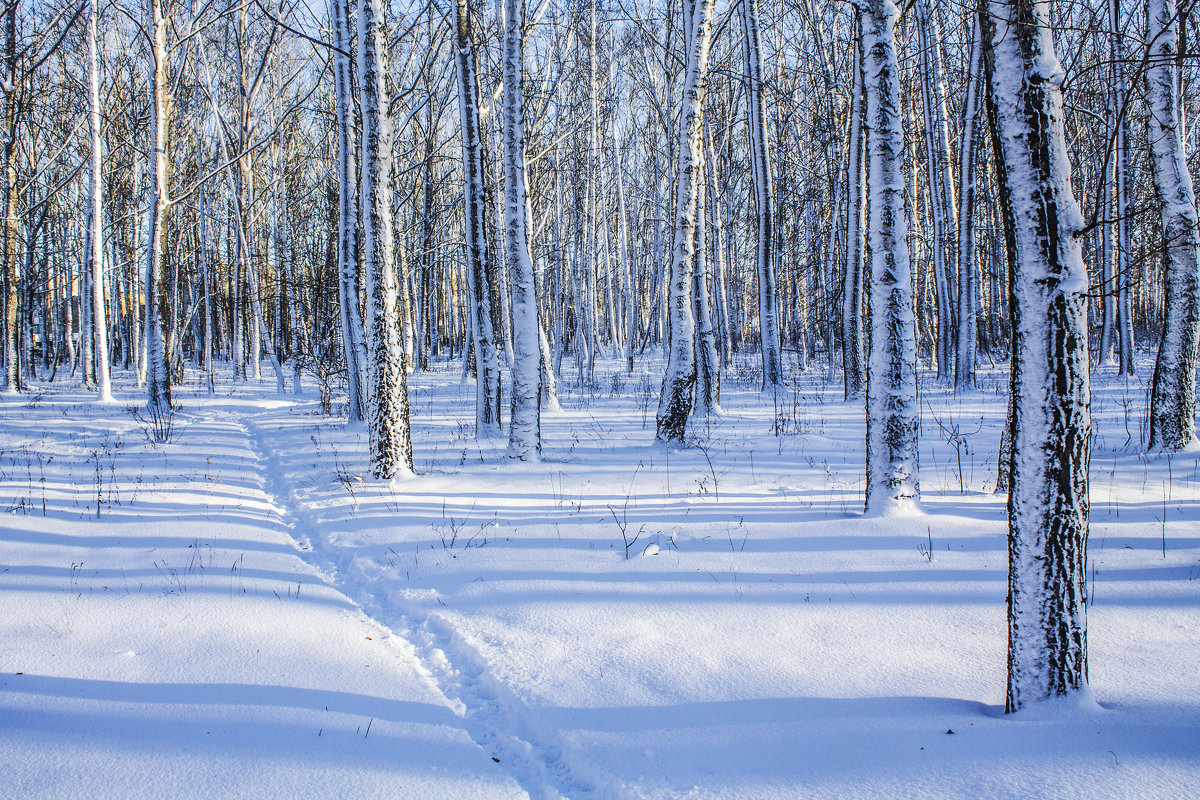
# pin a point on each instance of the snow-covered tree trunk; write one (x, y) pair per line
(968, 285)
(158, 379)
(525, 433)
(9, 234)
(1124, 244)
(856, 207)
(354, 338)
(206, 278)
(942, 202)
(627, 276)
(764, 201)
(1173, 392)
(708, 377)
(676, 397)
(719, 243)
(487, 362)
(1108, 299)
(87, 367)
(388, 435)
(1051, 417)
(99, 319)
(892, 483)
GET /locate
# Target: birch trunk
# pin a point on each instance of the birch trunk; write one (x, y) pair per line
(12, 372)
(856, 206)
(627, 266)
(158, 380)
(525, 434)
(354, 337)
(487, 363)
(388, 435)
(968, 285)
(675, 400)
(708, 378)
(892, 423)
(942, 203)
(718, 246)
(87, 366)
(1051, 417)
(1173, 392)
(1124, 247)
(1108, 283)
(206, 278)
(764, 202)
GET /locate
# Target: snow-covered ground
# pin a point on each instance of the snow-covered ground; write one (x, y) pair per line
(243, 612)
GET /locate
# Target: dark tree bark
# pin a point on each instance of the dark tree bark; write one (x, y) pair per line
(1051, 416)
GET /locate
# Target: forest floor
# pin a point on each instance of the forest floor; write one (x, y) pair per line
(242, 611)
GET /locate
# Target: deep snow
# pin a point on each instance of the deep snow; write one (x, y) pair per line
(245, 612)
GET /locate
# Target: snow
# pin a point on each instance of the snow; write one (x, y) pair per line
(251, 614)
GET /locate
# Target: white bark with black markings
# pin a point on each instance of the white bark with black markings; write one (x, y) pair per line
(676, 398)
(388, 435)
(1173, 391)
(892, 483)
(1050, 410)
(525, 429)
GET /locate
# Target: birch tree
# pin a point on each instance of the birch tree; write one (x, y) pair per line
(678, 387)
(760, 168)
(1050, 413)
(9, 234)
(487, 362)
(968, 284)
(856, 207)
(99, 317)
(354, 338)
(388, 435)
(942, 202)
(525, 431)
(1123, 244)
(158, 379)
(1173, 391)
(892, 483)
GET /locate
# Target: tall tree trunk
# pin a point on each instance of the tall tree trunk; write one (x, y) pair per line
(853, 379)
(968, 284)
(1051, 417)
(676, 398)
(8, 141)
(942, 203)
(525, 433)
(1173, 392)
(1108, 282)
(892, 413)
(708, 377)
(628, 277)
(1124, 245)
(206, 278)
(354, 337)
(715, 204)
(158, 379)
(487, 362)
(764, 202)
(388, 435)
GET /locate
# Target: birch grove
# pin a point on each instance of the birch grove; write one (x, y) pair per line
(888, 200)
